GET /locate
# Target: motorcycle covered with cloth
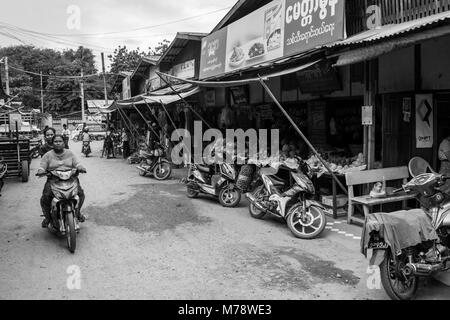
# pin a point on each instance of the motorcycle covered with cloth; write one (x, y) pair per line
(410, 245)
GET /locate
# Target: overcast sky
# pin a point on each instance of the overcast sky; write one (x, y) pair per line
(106, 16)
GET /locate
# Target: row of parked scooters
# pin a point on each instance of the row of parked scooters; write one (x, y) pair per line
(285, 191)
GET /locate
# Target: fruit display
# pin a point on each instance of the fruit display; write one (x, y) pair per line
(338, 164)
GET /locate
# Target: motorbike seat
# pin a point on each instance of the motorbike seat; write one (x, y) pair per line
(277, 181)
(205, 169)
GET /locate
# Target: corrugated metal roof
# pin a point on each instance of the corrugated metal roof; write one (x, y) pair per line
(98, 106)
(392, 30)
(179, 43)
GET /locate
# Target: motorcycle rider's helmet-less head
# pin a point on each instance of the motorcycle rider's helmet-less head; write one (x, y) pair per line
(58, 143)
(49, 134)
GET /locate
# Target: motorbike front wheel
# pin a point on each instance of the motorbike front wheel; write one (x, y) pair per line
(162, 171)
(306, 223)
(254, 211)
(229, 197)
(191, 192)
(395, 283)
(71, 233)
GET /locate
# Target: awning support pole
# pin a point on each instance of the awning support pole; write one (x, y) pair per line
(302, 135)
(168, 115)
(182, 99)
(146, 121)
(137, 132)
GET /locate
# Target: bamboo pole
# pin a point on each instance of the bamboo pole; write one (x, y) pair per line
(182, 99)
(125, 117)
(302, 135)
(146, 121)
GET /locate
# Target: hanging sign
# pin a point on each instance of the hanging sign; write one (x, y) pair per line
(424, 121)
(367, 115)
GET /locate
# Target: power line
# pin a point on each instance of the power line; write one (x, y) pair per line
(49, 38)
(126, 31)
(60, 77)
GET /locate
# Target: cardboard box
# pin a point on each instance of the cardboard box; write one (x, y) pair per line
(340, 212)
(341, 201)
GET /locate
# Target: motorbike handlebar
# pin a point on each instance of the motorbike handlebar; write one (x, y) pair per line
(48, 173)
(399, 190)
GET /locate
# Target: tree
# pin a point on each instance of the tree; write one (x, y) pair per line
(161, 48)
(127, 60)
(64, 94)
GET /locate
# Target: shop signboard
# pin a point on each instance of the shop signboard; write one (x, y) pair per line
(126, 88)
(424, 121)
(185, 70)
(279, 29)
(367, 115)
(239, 94)
(320, 78)
(210, 98)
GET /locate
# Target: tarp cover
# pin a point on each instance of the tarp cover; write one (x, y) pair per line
(400, 229)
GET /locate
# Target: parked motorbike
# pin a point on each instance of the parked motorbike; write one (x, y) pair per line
(155, 163)
(289, 198)
(3, 172)
(218, 183)
(400, 274)
(65, 205)
(86, 150)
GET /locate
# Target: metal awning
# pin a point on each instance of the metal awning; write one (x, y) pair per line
(166, 99)
(373, 43)
(98, 107)
(183, 87)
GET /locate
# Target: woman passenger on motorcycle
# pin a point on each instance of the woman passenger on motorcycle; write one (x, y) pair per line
(49, 134)
(58, 159)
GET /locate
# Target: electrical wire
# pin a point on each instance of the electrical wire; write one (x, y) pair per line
(53, 39)
(126, 31)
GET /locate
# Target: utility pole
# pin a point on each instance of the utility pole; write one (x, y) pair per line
(82, 97)
(7, 76)
(106, 91)
(42, 95)
(83, 119)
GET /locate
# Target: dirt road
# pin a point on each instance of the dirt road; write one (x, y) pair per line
(146, 240)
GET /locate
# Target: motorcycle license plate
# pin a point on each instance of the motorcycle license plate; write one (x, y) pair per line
(378, 245)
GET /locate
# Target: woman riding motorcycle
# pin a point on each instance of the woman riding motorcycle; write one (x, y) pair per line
(58, 159)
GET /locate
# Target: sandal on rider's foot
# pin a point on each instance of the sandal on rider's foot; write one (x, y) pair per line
(45, 223)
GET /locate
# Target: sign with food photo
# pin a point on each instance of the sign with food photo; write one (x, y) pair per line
(279, 29)
(255, 38)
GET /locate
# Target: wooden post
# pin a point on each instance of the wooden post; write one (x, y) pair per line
(270, 93)
(106, 91)
(42, 95)
(370, 92)
(7, 76)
